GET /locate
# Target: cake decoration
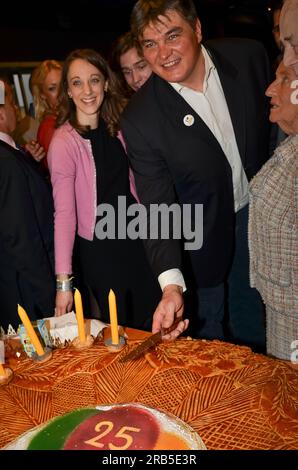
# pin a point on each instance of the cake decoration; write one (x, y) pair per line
(129, 426)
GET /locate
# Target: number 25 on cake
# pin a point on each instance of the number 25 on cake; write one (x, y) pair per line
(129, 426)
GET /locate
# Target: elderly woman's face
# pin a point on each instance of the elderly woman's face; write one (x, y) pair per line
(288, 25)
(284, 99)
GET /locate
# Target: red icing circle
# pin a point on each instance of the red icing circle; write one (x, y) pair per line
(120, 428)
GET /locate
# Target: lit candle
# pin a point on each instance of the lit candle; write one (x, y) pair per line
(80, 315)
(2, 371)
(113, 317)
(30, 331)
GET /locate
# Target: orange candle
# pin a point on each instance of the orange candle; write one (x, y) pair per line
(2, 371)
(30, 331)
(80, 315)
(113, 317)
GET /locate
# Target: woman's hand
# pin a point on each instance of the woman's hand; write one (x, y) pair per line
(36, 150)
(64, 302)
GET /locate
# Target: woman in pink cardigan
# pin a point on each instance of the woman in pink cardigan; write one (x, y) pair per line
(91, 180)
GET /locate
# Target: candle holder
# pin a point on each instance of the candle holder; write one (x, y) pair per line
(78, 344)
(14, 350)
(44, 358)
(5, 379)
(115, 347)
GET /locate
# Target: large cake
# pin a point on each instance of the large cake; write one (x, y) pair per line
(232, 397)
(128, 426)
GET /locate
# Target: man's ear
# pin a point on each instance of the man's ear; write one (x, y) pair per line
(198, 30)
(2, 113)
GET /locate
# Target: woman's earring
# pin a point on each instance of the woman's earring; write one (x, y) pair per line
(70, 95)
(106, 87)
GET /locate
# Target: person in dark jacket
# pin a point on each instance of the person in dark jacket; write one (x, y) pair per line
(26, 227)
(196, 132)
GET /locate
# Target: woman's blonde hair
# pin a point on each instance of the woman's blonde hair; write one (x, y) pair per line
(37, 79)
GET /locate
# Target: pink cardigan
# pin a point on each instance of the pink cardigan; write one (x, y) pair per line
(73, 177)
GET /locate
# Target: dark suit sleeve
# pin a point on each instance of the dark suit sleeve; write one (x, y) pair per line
(154, 186)
(20, 235)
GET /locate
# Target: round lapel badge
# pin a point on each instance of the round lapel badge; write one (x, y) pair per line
(188, 120)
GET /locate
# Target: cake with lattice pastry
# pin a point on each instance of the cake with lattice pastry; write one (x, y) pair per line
(128, 426)
(233, 398)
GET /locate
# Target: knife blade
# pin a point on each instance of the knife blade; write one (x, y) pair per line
(149, 343)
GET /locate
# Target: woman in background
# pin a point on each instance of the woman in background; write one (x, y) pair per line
(273, 222)
(88, 168)
(44, 83)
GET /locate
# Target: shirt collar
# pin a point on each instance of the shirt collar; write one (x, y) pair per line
(209, 66)
(7, 139)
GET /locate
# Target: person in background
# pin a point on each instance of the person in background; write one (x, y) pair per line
(277, 134)
(196, 133)
(273, 222)
(289, 33)
(276, 6)
(25, 136)
(89, 169)
(26, 129)
(26, 227)
(127, 61)
(44, 84)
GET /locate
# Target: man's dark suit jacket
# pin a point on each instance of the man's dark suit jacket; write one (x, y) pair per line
(172, 161)
(26, 238)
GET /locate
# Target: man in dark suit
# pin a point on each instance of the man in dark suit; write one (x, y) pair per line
(26, 227)
(196, 132)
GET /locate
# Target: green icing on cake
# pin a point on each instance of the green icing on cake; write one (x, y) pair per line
(53, 436)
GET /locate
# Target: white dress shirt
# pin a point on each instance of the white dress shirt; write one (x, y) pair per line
(210, 104)
(7, 139)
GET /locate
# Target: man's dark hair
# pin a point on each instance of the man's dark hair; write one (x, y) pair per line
(123, 44)
(147, 11)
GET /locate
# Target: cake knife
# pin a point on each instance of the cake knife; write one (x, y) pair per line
(149, 343)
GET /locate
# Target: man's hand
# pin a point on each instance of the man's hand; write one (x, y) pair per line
(36, 150)
(169, 308)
